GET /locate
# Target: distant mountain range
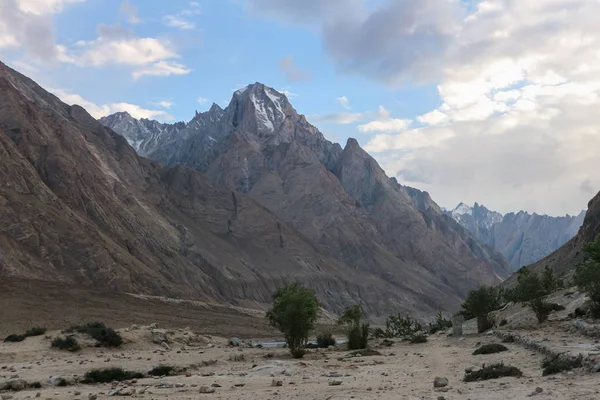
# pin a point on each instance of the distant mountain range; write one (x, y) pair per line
(521, 237)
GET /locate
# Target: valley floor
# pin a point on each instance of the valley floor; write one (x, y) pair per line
(402, 371)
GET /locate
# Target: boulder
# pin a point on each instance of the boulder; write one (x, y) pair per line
(14, 385)
(440, 382)
(235, 342)
(207, 389)
(159, 336)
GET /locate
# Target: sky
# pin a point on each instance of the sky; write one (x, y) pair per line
(493, 101)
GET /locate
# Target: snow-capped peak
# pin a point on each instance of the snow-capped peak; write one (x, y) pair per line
(268, 104)
(463, 209)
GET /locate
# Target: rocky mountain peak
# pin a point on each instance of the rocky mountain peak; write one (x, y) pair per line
(260, 108)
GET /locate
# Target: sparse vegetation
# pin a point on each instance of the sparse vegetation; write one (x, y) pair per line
(357, 333)
(37, 331)
(162, 370)
(67, 343)
(35, 385)
(325, 339)
(532, 288)
(399, 326)
(237, 357)
(560, 363)
(493, 371)
(14, 338)
(106, 337)
(479, 304)
(440, 324)
(418, 338)
(587, 275)
(294, 313)
(509, 339)
(107, 375)
(378, 333)
(490, 348)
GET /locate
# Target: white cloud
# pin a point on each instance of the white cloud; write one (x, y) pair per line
(344, 102)
(178, 22)
(28, 25)
(98, 111)
(518, 127)
(387, 125)
(382, 112)
(114, 45)
(162, 68)
(164, 104)
(202, 100)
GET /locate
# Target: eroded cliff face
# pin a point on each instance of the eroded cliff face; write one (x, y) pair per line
(521, 237)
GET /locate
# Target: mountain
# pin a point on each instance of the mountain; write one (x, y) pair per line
(564, 260)
(339, 198)
(522, 238)
(276, 203)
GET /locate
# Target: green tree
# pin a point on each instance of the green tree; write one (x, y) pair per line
(357, 334)
(532, 288)
(587, 275)
(479, 304)
(294, 313)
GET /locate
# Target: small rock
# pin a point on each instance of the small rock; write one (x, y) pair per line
(76, 393)
(539, 390)
(6, 397)
(439, 382)
(335, 382)
(206, 389)
(92, 396)
(276, 382)
(596, 368)
(235, 342)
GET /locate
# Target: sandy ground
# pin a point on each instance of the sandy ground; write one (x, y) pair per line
(402, 371)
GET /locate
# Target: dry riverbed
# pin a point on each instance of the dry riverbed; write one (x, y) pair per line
(401, 371)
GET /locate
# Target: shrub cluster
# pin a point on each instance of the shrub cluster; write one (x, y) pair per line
(440, 324)
(490, 348)
(67, 343)
(357, 333)
(400, 326)
(107, 375)
(106, 337)
(162, 370)
(493, 371)
(560, 363)
(325, 339)
(37, 331)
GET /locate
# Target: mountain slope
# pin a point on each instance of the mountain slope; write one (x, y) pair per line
(564, 260)
(340, 199)
(522, 238)
(78, 205)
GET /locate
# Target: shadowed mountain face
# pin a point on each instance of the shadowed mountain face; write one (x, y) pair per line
(338, 199)
(521, 237)
(564, 260)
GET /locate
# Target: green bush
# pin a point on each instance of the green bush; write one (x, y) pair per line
(162, 370)
(587, 275)
(440, 324)
(402, 327)
(418, 338)
(490, 348)
(107, 375)
(106, 337)
(31, 332)
(14, 338)
(67, 343)
(493, 371)
(357, 334)
(37, 331)
(35, 385)
(378, 333)
(479, 304)
(325, 339)
(294, 313)
(560, 363)
(532, 288)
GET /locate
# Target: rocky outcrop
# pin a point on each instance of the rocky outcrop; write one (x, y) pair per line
(337, 198)
(522, 238)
